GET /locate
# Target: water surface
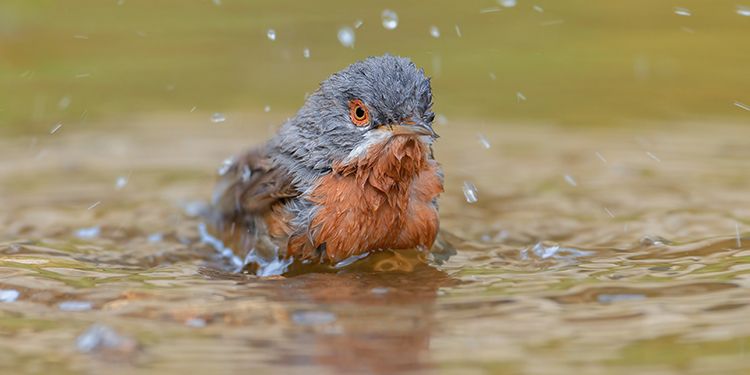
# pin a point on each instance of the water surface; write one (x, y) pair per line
(586, 252)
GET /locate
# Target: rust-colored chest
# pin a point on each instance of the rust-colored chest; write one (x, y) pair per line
(385, 199)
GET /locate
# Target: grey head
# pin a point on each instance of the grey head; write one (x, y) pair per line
(348, 113)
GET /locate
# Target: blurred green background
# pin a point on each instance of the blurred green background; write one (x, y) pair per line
(577, 62)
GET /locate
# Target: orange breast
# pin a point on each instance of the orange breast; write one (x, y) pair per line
(382, 201)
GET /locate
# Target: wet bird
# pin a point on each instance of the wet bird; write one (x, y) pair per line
(351, 173)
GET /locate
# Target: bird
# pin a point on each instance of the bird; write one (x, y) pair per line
(352, 173)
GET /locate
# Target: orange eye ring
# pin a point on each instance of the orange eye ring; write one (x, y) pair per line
(359, 113)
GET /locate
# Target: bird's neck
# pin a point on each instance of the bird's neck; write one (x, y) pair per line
(389, 165)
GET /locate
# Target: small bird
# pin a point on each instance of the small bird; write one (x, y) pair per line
(351, 173)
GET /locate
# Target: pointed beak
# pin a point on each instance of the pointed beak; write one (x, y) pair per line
(409, 128)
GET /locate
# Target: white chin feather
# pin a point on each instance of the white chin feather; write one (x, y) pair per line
(372, 138)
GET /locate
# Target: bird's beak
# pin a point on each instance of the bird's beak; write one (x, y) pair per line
(409, 128)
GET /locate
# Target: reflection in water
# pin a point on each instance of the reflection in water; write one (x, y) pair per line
(375, 322)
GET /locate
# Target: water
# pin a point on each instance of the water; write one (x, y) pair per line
(680, 11)
(434, 32)
(271, 34)
(389, 19)
(346, 37)
(218, 118)
(543, 273)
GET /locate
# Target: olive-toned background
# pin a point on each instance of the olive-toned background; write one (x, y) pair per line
(578, 62)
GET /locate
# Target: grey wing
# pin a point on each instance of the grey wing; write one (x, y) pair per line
(243, 198)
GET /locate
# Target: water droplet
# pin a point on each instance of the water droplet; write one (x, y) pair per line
(601, 157)
(94, 205)
(195, 322)
(346, 37)
(470, 192)
(458, 31)
(309, 318)
(225, 166)
(742, 105)
(64, 103)
(55, 128)
(121, 182)
(271, 34)
(100, 337)
(306, 53)
(155, 237)
(680, 11)
(9, 295)
(493, 76)
(434, 31)
(652, 156)
(217, 2)
(88, 233)
(570, 180)
(267, 109)
(489, 10)
(75, 306)
(537, 8)
(483, 141)
(218, 118)
(743, 10)
(609, 212)
(358, 24)
(390, 19)
(507, 3)
(520, 97)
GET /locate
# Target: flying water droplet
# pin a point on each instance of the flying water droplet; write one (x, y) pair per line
(742, 105)
(507, 3)
(267, 109)
(483, 141)
(121, 182)
(102, 338)
(88, 233)
(521, 97)
(55, 128)
(218, 118)
(346, 36)
(75, 306)
(155, 237)
(434, 31)
(271, 34)
(570, 180)
(538, 9)
(306, 53)
(225, 166)
(680, 11)
(309, 318)
(470, 192)
(390, 19)
(358, 24)
(64, 103)
(743, 10)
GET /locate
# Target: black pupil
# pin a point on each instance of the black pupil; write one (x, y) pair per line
(360, 113)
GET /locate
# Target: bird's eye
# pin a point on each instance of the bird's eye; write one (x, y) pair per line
(358, 112)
